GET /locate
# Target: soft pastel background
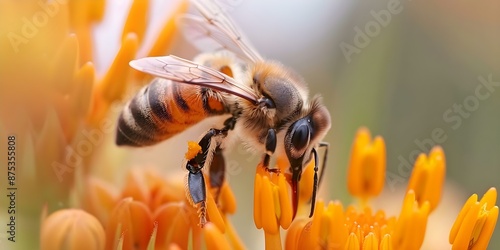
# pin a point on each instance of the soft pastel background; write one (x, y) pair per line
(400, 84)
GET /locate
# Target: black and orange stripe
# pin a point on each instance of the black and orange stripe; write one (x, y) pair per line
(164, 108)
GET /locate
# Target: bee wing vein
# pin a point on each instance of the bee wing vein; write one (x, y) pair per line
(220, 27)
(184, 71)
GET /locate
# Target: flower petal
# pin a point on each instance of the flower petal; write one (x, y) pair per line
(461, 216)
(352, 242)
(99, 198)
(294, 232)
(227, 199)
(366, 172)
(286, 213)
(136, 19)
(386, 243)
(370, 242)
(338, 230)
(214, 239)
(411, 225)
(487, 230)
(133, 219)
(173, 225)
(164, 38)
(269, 220)
(71, 229)
(428, 177)
(213, 213)
(257, 216)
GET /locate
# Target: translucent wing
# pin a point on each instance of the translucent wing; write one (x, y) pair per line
(217, 26)
(184, 71)
(208, 38)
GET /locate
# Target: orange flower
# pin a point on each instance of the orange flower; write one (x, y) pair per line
(332, 227)
(366, 172)
(151, 212)
(99, 199)
(131, 225)
(411, 225)
(475, 222)
(428, 177)
(357, 227)
(272, 206)
(214, 238)
(64, 124)
(71, 229)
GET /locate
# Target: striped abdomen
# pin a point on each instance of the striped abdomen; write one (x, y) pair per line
(164, 108)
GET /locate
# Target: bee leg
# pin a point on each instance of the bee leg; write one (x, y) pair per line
(217, 171)
(196, 180)
(325, 145)
(218, 165)
(317, 181)
(196, 185)
(270, 148)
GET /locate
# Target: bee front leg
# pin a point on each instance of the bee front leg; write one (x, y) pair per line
(317, 182)
(270, 148)
(196, 179)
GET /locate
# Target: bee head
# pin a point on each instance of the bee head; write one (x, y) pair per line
(281, 89)
(306, 132)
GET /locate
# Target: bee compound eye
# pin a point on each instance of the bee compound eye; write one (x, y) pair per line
(300, 135)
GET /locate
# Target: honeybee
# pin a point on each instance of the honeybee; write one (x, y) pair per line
(261, 101)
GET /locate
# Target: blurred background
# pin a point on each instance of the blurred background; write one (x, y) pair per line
(417, 73)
